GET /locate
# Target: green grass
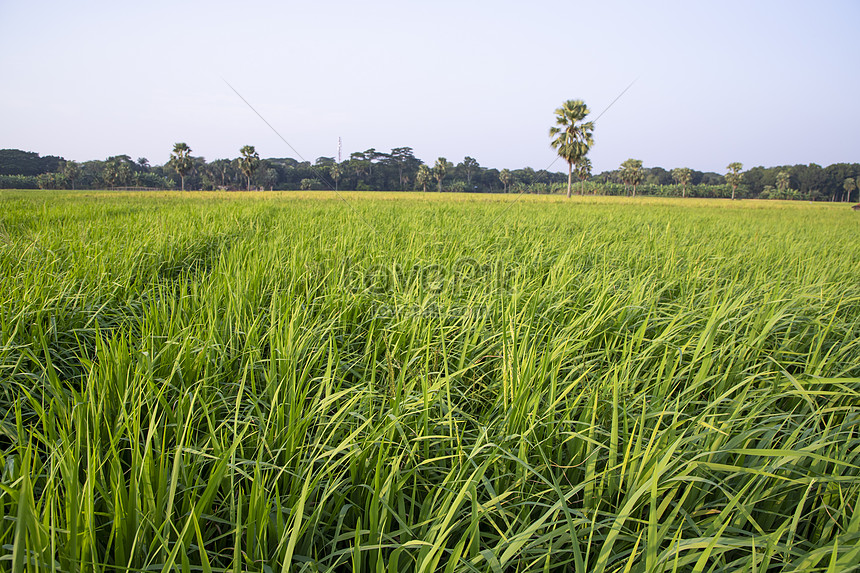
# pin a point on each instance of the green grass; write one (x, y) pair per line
(414, 382)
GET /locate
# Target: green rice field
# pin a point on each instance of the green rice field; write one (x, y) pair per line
(396, 382)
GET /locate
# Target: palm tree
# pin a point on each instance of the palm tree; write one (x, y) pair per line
(505, 177)
(734, 176)
(583, 171)
(423, 176)
(249, 162)
(849, 185)
(336, 172)
(573, 135)
(180, 159)
(782, 182)
(439, 171)
(682, 176)
(631, 173)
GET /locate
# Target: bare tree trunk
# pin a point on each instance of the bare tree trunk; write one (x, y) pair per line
(569, 178)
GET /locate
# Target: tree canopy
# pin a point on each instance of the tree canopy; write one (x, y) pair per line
(180, 159)
(571, 135)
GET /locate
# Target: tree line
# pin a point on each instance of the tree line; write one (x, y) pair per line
(399, 169)
(572, 137)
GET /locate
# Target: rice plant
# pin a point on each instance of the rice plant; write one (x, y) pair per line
(379, 382)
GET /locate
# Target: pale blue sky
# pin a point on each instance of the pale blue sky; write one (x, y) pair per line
(764, 83)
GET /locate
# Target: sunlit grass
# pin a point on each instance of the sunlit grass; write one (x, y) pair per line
(415, 382)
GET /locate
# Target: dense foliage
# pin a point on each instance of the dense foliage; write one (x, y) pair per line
(274, 382)
(399, 170)
(17, 162)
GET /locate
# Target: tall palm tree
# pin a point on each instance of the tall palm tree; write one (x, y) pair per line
(573, 135)
(631, 173)
(505, 177)
(682, 176)
(249, 162)
(849, 185)
(180, 158)
(336, 172)
(439, 171)
(734, 176)
(583, 172)
(423, 176)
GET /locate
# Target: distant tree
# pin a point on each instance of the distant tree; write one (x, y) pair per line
(505, 177)
(734, 176)
(336, 172)
(50, 180)
(631, 173)
(249, 162)
(366, 159)
(583, 172)
(404, 160)
(783, 180)
(849, 185)
(469, 164)
(572, 135)
(439, 170)
(221, 167)
(71, 171)
(180, 160)
(458, 186)
(423, 176)
(117, 170)
(18, 162)
(356, 165)
(306, 184)
(208, 177)
(270, 178)
(143, 163)
(682, 176)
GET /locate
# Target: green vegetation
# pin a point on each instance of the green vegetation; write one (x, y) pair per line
(250, 162)
(180, 159)
(682, 176)
(26, 163)
(505, 177)
(400, 170)
(423, 177)
(631, 173)
(572, 135)
(273, 382)
(849, 185)
(439, 171)
(734, 177)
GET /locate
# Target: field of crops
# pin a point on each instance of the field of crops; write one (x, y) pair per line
(390, 382)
